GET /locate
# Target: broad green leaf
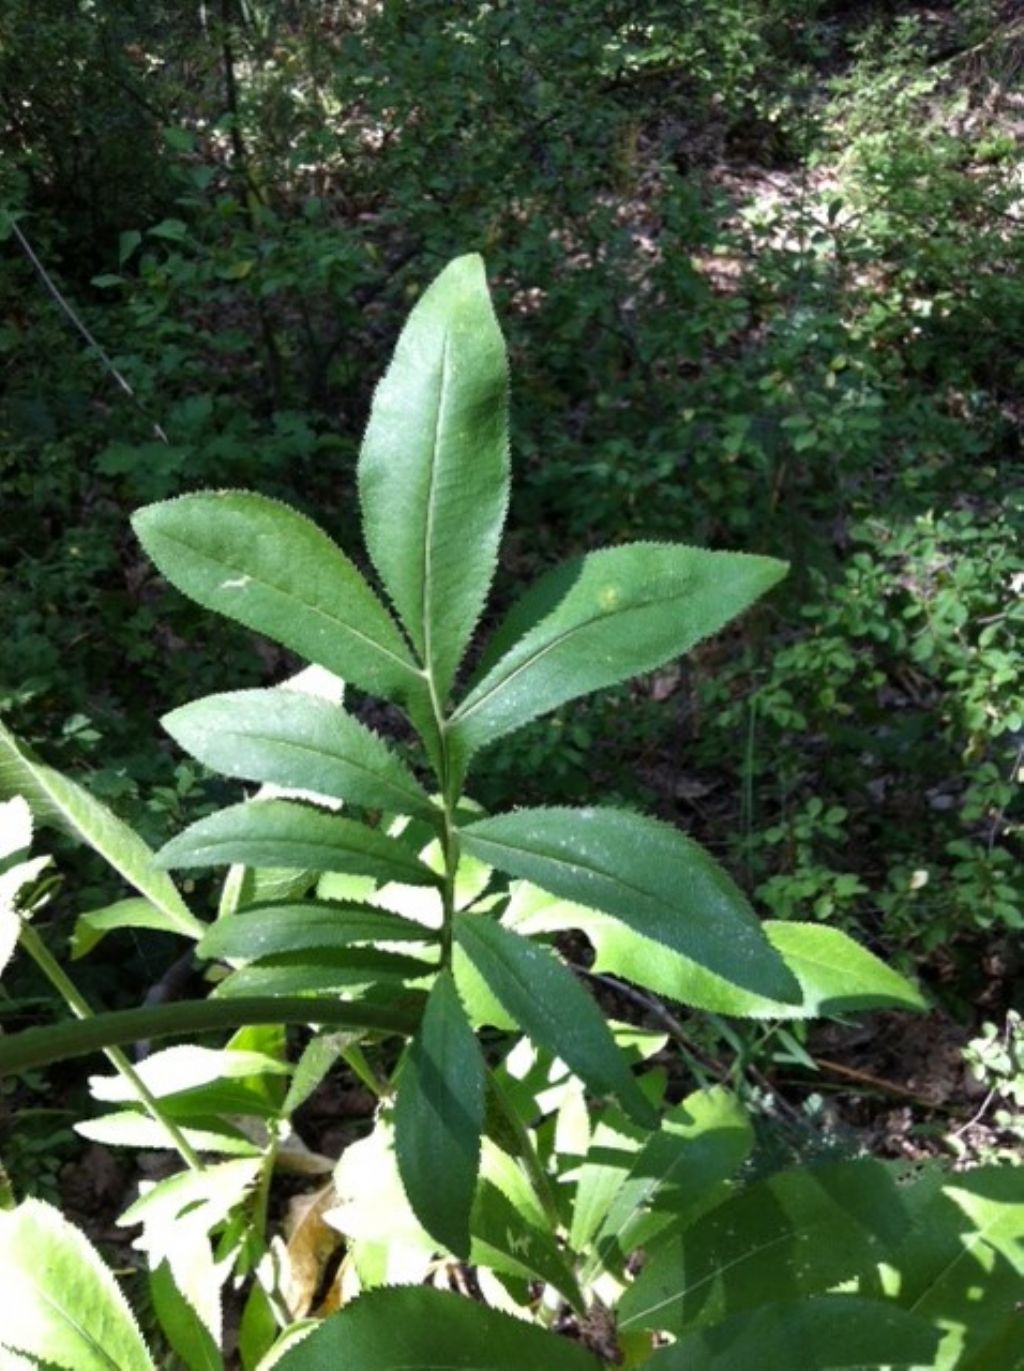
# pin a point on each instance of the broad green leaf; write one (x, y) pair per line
(60, 1303)
(323, 970)
(295, 740)
(703, 1141)
(433, 473)
(59, 802)
(34, 1047)
(644, 873)
(269, 930)
(257, 561)
(412, 1326)
(624, 610)
(547, 1000)
(209, 1195)
(797, 1233)
(182, 1326)
(92, 927)
(825, 1333)
(439, 1114)
(835, 973)
(962, 1267)
(283, 833)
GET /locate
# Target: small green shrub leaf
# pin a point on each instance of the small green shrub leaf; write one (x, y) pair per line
(627, 610)
(411, 1326)
(61, 1304)
(439, 1114)
(269, 930)
(648, 875)
(281, 833)
(296, 740)
(61, 803)
(547, 1000)
(92, 927)
(797, 1233)
(433, 474)
(185, 1330)
(825, 1333)
(259, 562)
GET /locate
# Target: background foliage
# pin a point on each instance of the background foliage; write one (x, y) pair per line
(759, 268)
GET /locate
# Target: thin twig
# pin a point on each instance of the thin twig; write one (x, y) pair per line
(101, 352)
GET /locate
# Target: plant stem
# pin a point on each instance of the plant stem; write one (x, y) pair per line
(68, 991)
(534, 1169)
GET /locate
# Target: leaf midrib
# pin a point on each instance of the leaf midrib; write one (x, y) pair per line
(467, 709)
(308, 749)
(291, 598)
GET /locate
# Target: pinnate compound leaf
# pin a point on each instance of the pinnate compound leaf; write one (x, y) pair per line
(273, 570)
(644, 873)
(301, 925)
(824, 1333)
(624, 610)
(439, 1115)
(60, 1303)
(546, 999)
(283, 833)
(433, 473)
(58, 802)
(292, 739)
(412, 1326)
(797, 1233)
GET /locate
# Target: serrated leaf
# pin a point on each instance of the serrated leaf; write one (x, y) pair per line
(439, 1115)
(825, 1333)
(259, 562)
(323, 970)
(269, 930)
(60, 1303)
(703, 1141)
(59, 802)
(417, 1327)
(798, 1233)
(130, 1128)
(622, 611)
(508, 1241)
(186, 1067)
(433, 473)
(184, 1329)
(547, 1000)
(835, 974)
(644, 873)
(962, 1266)
(293, 739)
(92, 927)
(283, 833)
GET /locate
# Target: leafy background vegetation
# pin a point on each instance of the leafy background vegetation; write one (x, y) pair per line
(759, 272)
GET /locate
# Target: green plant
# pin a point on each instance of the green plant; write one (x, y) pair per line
(414, 917)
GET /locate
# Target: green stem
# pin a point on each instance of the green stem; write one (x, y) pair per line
(355, 1059)
(66, 988)
(532, 1162)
